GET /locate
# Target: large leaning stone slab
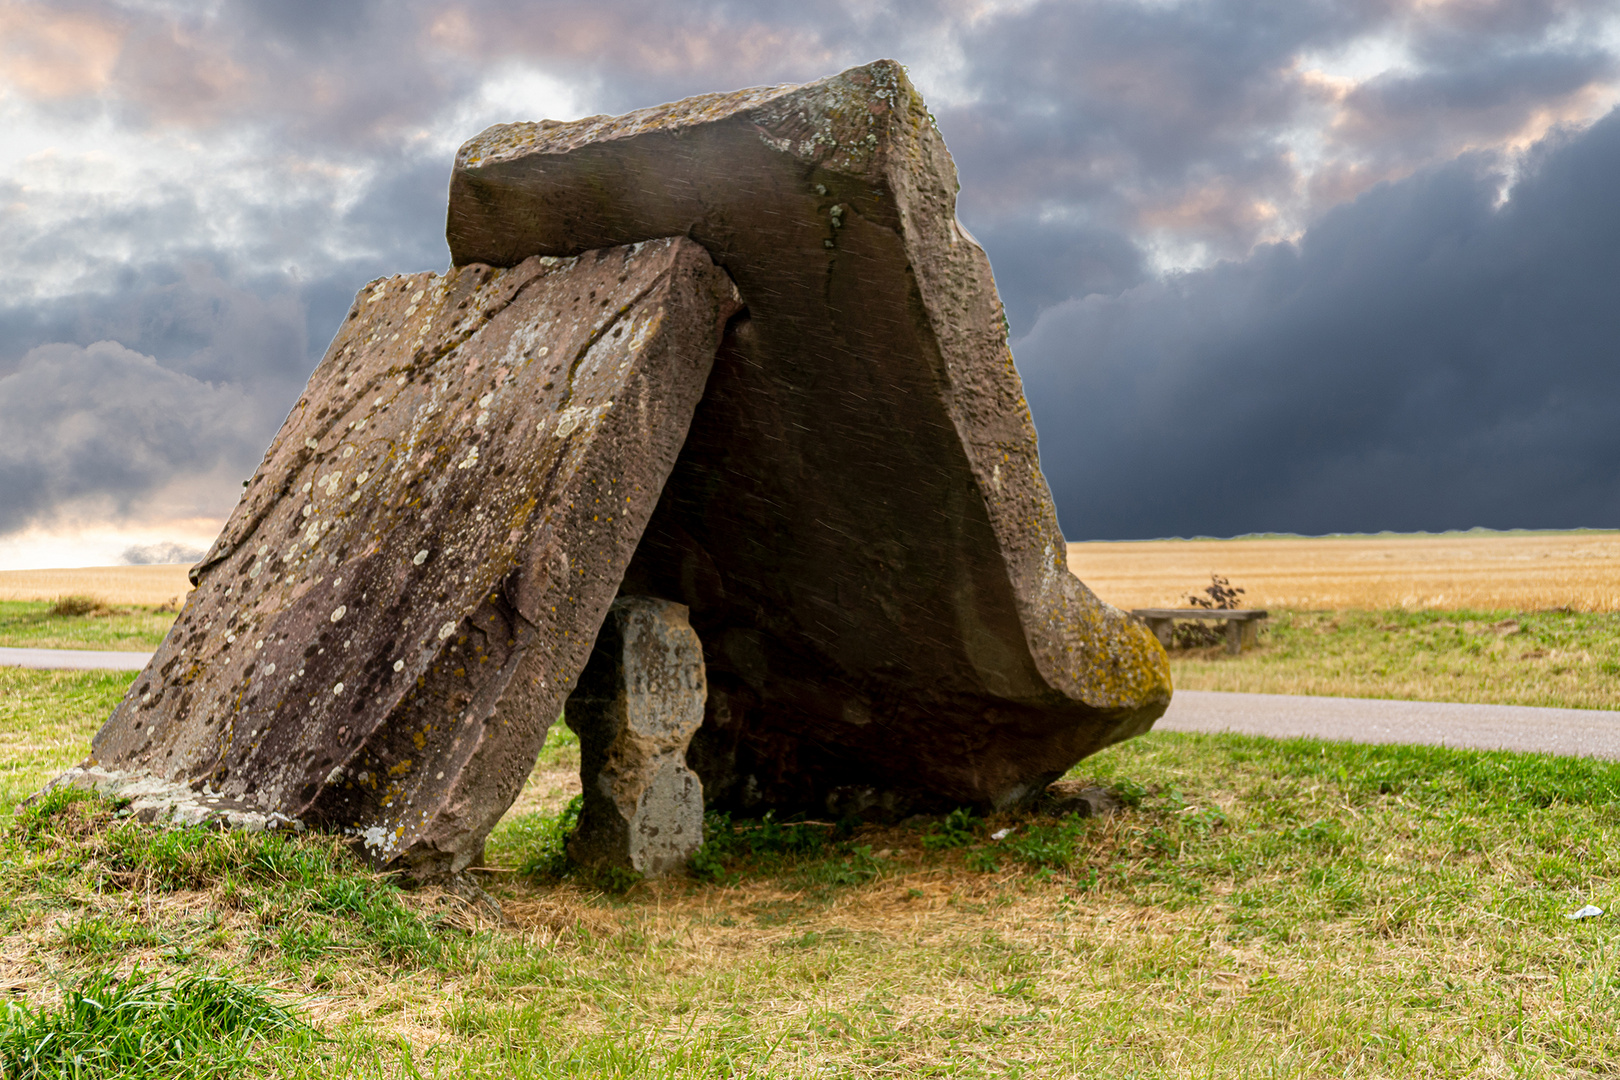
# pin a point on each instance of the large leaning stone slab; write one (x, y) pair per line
(398, 608)
(858, 521)
(635, 709)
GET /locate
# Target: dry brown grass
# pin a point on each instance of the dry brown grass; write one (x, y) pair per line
(1474, 570)
(113, 584)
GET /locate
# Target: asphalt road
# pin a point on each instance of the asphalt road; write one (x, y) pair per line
(1568, 732)
(74, 659)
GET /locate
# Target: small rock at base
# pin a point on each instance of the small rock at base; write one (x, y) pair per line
(1073, 797)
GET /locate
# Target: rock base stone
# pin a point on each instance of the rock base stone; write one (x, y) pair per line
(635, 709)
(158, 801)
(1074, 797)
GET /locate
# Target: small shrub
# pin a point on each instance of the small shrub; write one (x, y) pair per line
(1219, 595)
(956, 829)
(708, 863)
(76, 605)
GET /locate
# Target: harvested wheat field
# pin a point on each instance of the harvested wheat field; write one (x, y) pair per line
(113, 584)
(1479, 570)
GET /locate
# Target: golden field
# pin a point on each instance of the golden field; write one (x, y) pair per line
(1478, 570)
(114, 584)
(1519, 571)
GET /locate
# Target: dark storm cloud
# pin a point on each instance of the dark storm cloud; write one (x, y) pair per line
(107, 423)
(1042, 263)
(1423, 359)
(1097, 142)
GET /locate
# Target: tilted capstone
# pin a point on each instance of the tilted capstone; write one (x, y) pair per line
(857, 522)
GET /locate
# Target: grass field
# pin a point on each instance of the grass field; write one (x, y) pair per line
(1476, 571)
(1553, 658)
(1258, 908)
(1288, 909)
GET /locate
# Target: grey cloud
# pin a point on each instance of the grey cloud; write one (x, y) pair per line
(1422, 360)
(1177, 117)
(106, 423)
(160, 554)
(1483, 97)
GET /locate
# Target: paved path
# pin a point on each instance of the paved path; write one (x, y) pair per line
(75, 659)
(1568, 732)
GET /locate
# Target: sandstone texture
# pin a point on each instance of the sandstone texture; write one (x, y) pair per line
(857, 522)
(635, 709)
(398, 608)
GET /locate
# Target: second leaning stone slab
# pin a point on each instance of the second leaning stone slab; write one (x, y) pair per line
(399, 606)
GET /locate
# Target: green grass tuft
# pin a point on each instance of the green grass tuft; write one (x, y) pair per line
(109, 1028)
(540, 841)
(309, 895)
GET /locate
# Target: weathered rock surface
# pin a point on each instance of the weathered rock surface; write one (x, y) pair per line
(400, 604)
(157, 801)
(1076, 797)
(635, 709)
(858, 521)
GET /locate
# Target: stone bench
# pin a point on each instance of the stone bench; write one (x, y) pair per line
(1241, 626)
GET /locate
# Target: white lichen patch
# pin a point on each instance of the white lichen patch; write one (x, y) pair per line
(154, 799)
(569, 419)
(378, 839)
